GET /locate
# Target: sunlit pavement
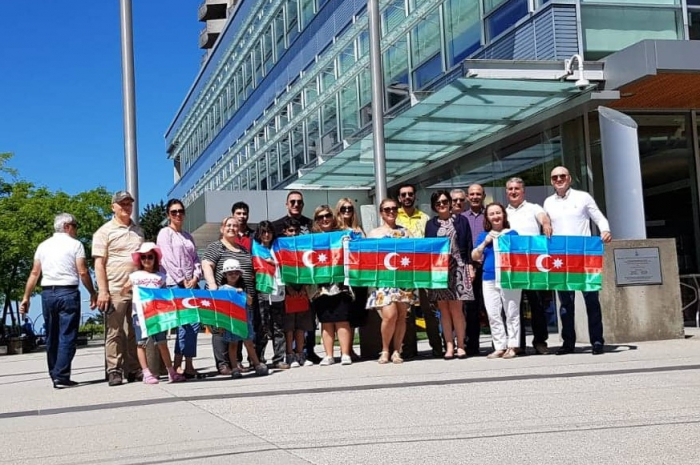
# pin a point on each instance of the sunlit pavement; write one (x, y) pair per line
(636, 404)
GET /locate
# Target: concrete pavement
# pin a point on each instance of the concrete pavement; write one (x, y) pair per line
(637, 404)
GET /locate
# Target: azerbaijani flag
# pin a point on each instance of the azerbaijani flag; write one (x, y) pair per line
(561, 263)
(405, 263)
(264, 271)
(161, 309)
(311, 258)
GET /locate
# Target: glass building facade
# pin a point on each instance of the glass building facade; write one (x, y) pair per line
(286, 93)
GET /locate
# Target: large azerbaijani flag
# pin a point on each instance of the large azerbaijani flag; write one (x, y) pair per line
(404, 263)
(561, 263)
(265, 271)
(311, 258)
(162, 309)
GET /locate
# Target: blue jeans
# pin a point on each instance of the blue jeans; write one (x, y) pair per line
(567, 313)
(61, 309)
(186, 342)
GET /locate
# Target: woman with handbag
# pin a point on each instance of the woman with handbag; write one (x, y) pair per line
(449, 301)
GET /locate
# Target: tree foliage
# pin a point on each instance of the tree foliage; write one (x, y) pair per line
(152, 220)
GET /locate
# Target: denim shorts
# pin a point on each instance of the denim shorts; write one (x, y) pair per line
(230, 337)
(158, 338)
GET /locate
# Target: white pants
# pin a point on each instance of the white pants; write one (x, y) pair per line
(508, 334)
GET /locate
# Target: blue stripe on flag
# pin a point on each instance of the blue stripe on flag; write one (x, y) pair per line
(438, 245)
(561, 245)
(319, 241)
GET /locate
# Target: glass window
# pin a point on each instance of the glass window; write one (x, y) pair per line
(308, 9)
(273, 166)
(427, 71)
(490, 5)
(266, 46)
(285, 157)
(462, 29)
(396, 73)
(327, 77)
(279, 34)
(349, 110)
(505, 17)
(297, 139)
(425, 38)
(262, 169)
(694, 25)
(642, 2)
(329, 129)
(363, 42)
(310, 92)
(393, 15)
(346, 58)
(312, 136)
(608, 29)
(292, 21)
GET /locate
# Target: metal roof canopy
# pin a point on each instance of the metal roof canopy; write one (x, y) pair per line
(465, 111)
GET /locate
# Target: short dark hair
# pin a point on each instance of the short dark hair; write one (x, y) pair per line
(240, 206)
(487, 224)
(290, 222)
(172, 202)
(435, 196)
(406, 184)
(263, 227)
(290, 193)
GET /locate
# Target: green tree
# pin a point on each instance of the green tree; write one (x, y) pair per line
(152, 219)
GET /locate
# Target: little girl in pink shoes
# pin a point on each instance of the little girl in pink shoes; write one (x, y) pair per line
(147, 258)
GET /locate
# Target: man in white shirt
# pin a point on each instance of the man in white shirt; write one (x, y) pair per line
(570, 211)
(60, 260)
(526, 218)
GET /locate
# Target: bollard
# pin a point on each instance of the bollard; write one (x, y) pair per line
(155, 362)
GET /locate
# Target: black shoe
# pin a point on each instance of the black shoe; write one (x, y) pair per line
(61, 384)
(473, 353)
(313, 358)
(133, 377)
(598, 348)
(563, 350)
(115, 379)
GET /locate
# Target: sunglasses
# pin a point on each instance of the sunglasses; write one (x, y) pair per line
(348, 209)
(390, 209)
(296, 202)
(407, 194)
(325, 216)
(556, 177)
(442, 203)
(458, 200)
(179, 211)
(150, 256)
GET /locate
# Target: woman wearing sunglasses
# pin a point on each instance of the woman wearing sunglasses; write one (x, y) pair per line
(392, 303)
(332, 302)
(459, 287)
(183, 269)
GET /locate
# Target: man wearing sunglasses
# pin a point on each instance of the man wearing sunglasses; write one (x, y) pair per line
(571, 212)
(112, 246)
(459, 201)
(60, 261)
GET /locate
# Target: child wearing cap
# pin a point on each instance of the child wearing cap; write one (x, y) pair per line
(147, 259)
(233, 279)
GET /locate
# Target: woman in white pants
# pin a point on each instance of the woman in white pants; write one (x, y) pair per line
(505, 334)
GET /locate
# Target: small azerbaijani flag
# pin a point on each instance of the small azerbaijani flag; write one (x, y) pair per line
(404, 263)
(265, 271)
(161, 309)
(311, 258)
(561, 263)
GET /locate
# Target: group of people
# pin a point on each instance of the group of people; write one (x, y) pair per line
(287, 317)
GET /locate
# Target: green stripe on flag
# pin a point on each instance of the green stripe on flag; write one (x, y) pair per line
(551, 281)
(402, 279)
(316, 275)
(264, 283)
(165, 321)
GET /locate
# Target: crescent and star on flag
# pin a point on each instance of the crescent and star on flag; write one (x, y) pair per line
(539, 263)
(202, 303)
(405, 261)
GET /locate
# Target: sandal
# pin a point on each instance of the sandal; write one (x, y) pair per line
(461, 354)
(496, 354)
(383, 358)
(195, 375)
(396, 357)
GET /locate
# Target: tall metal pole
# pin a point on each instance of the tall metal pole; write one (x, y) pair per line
(375, 70)
(128, 93)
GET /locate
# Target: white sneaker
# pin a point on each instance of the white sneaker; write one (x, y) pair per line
(345, 360)
(292, 361)
(327, 361)
(304, 362)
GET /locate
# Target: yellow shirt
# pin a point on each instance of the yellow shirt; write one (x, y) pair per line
(414, 223)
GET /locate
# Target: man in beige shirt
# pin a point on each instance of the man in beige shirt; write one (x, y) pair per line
(112, 246)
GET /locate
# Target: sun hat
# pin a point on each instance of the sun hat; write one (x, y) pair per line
(231, 265)
(145, 248)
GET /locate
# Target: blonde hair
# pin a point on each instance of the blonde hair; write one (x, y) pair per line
(319, 209)
(340, 220)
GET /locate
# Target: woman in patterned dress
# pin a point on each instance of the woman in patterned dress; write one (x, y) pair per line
(392, 303)
(450, 300)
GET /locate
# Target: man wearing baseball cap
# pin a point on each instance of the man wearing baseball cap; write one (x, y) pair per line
(112, 246)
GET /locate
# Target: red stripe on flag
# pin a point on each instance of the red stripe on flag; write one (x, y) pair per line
(318, 257)
(263, 266)
(555, 263)
(399, 261)
(152, 308)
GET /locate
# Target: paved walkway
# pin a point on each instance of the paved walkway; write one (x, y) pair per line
(639, 404)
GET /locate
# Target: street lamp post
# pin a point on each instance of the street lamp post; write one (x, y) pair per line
(375, 70)
(129, 104)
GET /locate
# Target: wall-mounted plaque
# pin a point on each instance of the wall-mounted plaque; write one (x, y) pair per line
(637, 267)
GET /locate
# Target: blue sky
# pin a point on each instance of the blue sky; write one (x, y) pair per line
(60, 90)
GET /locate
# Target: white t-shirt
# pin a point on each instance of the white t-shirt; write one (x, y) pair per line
(570, 215)
(57, 256)
(143, 278)
(523, 219)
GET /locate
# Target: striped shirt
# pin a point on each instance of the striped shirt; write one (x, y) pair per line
(115, 242)
(217, 253)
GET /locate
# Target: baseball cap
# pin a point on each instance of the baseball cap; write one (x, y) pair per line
(121, 195)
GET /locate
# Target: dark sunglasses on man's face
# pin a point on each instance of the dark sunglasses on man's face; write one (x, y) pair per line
(458, 200)
(325, 216)
(348, 209)
(179, 211)
(296, 202)
(407, 194)
(556, 177)
(148, 257)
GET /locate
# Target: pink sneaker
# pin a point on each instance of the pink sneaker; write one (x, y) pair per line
(176, 377)
(149, 379)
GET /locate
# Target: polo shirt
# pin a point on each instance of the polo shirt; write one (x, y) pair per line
(414, 223)
(523, 218)
(476, 221)
(57, 256)
(571, 214)
(115, 243)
